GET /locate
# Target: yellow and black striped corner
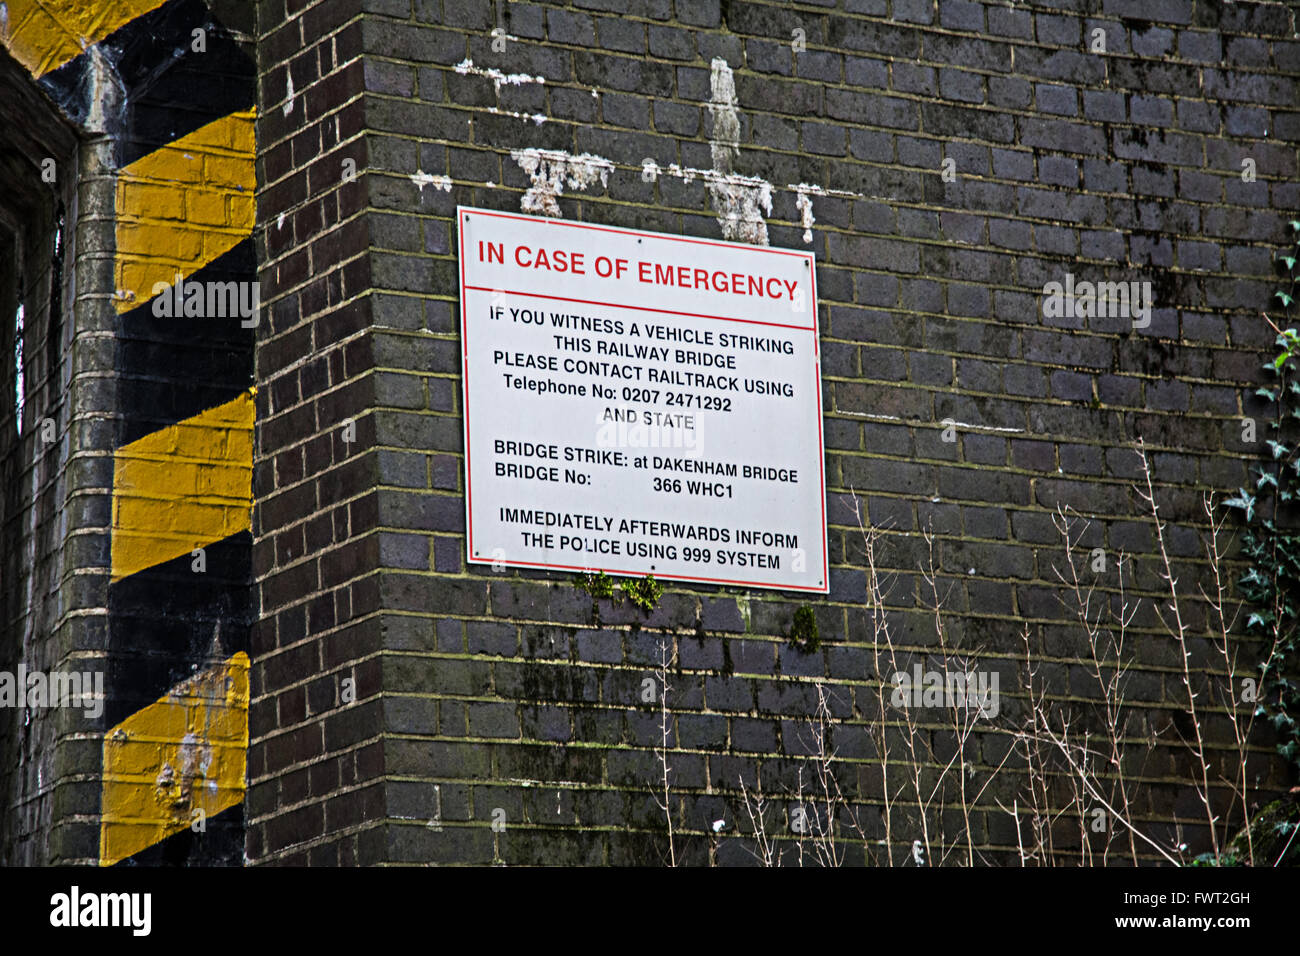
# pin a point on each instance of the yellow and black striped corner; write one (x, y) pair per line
(172, 768)
(183, 132)
(44, 35)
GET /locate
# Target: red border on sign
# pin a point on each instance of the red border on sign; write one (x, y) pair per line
(463, 212)
(635, 232)
(641, 308)
(806, 256)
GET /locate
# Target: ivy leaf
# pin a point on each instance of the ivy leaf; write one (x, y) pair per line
(1245, 502)
(1279, 450)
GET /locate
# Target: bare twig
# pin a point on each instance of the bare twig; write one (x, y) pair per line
(665, 664)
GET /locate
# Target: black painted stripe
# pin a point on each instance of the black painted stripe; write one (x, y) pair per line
(221, 844)
(168, 89)
(170, 369)
(163, 621)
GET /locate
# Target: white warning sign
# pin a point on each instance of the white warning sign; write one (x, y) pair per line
(641, 403)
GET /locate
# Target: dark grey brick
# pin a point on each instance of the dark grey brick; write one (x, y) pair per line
(1009, 233)
(962, 15)
(823, 138)
(1058, 170)
(866, 72)
(1062, 100)
(961, 85)
(924, 153)
(1151, 110)
(1058, 30)
(1010, 22)
(1104, 105)
(493, 719)
(1072, 386)
(915, 78)
(672, 43)
(404, 551)
(1153, 42)
(566, 26)
(623, 36)
(628, 111)
(1013, 164)
(913, 11)
(820, 65)
(871, 145)
(1009, 91)
(486, 637)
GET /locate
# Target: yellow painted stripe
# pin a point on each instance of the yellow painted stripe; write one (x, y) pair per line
(183, 205)
(182, 487)
(187, 751)
(45, 34)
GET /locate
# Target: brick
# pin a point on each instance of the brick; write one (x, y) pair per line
(915, 78)
(1058, 170)
(961, 85)
(867, 72)
(629, 111)
(1013, 164)
(823, 139)
(1151, 110)
(672, 43)
(1061, 100)
(1009, 91)
(1010, 22)
(963, 16)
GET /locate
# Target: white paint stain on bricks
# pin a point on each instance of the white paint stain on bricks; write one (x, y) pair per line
(422, 179)
(741, 202)
(551, 171)
(803, 202)
(467, 66)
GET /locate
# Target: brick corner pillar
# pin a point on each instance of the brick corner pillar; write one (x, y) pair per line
(358, 721)
(315, 761)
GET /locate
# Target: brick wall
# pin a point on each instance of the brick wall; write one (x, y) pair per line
(316, 513)
(945, 161)
(40, 474)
